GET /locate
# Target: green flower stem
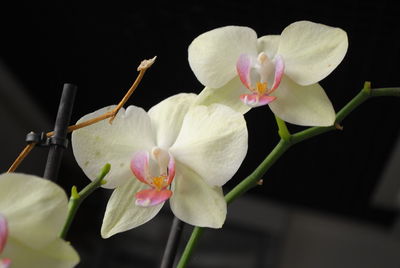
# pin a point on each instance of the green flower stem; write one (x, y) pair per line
(283, 131)
(287, 140)
(77, 198)
(197, 231)
(383, 92)
(254, 178)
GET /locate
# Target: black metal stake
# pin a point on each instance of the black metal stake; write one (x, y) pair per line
(172, 243)
(58, 142)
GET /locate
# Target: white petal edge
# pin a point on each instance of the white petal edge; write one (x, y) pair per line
(212, 142)
(302, 105)
(167, 117)
(56, 254)
(122, 213)
(213, 54)
(35, 208)
(228, 95)
(268, 44)
(195, 202)
(115, 143)
(311, 51)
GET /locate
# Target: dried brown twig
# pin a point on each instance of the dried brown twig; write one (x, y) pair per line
(142, 68)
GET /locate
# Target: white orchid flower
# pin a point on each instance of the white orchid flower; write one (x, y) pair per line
(282, 71)
(32, 213)
(176, 151)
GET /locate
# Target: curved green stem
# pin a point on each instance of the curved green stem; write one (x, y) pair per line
(287, 140)
(254, 178)
(77, 198)
(197, 231)
(362, 96)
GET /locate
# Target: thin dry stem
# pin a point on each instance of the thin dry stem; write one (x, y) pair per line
(144, 65)
(21, 157)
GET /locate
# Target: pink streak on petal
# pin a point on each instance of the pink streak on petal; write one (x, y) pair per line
(254, 100)
(171, 169)
(152, 197)
(3, 232)
(279, 71)
(140, 166)
(5, 263)
(243, 67)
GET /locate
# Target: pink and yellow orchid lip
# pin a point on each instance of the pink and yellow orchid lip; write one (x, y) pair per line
(4, 263)
(263, 71)
(140, 166)
(158, 192)
(3, 232)
(243, 68)
(152, 197)
(255, 100)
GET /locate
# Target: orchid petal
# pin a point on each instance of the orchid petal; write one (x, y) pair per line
(302, 105)
(311, 51)
(228, 95)
(101, 143)
(268, 44)
(212, 142)
(122, 213)
(55, 254)
(35, 208)
(196, 202)
(254, 100)
(152, 197)
(140, 166)
(213, 55)
(243, 67)
(167, 117)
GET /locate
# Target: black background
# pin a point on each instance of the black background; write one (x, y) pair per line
(99, 45)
